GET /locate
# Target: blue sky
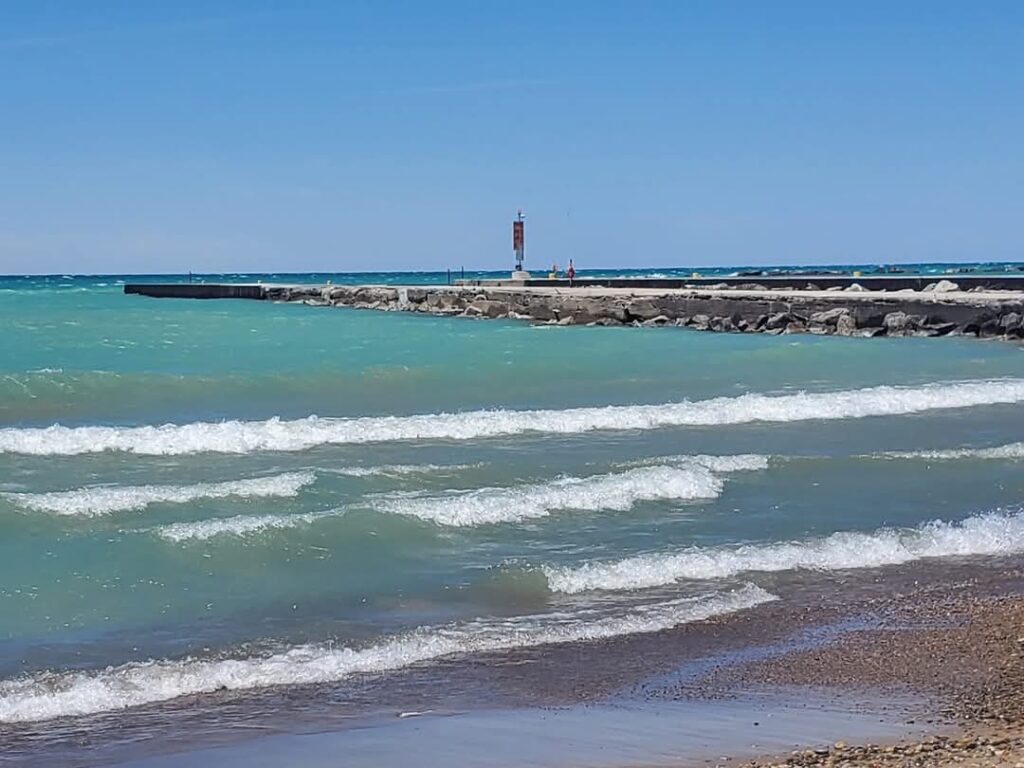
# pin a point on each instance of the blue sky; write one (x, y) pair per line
(163, 137)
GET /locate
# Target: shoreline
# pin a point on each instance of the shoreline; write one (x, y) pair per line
(814, 666)
(971, 666)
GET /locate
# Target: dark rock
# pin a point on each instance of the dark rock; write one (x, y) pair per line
(990, 327)
(644, 309)
(1011, 325)
(777, 321)
(939, 329)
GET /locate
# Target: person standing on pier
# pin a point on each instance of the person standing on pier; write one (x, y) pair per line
(570, 272)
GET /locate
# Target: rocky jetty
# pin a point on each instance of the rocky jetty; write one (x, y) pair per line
(941, 311)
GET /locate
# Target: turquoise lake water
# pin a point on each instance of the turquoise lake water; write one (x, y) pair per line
(200, 496)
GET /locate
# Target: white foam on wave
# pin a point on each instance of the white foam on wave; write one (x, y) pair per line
(398, 470)
(49, 695)
(689, 478)
(743, 462)
(278, 435)
(616, 491)
(1008, 451)
(989, 534)
(239, 525)
(106, 499)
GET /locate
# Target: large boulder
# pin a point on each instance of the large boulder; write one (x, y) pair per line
(700, 322)
(778, 321)
(644, 310)
(902, 324)
(656, 322)
(943, 286)
(587, 310)
(487, 308)
(938, 329)
(1012, 325)
(829, 316)
(846, 325)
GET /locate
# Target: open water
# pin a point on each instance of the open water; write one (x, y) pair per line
(204, 499)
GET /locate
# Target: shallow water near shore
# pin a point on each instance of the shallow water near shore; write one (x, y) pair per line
(594, 735)
(203, 502)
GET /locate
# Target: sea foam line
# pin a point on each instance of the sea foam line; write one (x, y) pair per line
(49, 695)
(618, 491)
(102, 500)
(278, 435)
(988, 534)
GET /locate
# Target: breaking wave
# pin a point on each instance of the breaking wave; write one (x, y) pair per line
(239, 525)
(49, 695)
(618, 491)
(278, 435)
(1009, 451)
(989, 534)
(744, 462)
(103, 500)
(399, 470)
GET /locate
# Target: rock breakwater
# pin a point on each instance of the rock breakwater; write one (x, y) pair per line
(755, 310)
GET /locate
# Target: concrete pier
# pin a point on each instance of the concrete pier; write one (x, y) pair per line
(801, 281)
(197, 290)
(942, 308)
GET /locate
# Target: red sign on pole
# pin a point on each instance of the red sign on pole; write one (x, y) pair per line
(517, 235)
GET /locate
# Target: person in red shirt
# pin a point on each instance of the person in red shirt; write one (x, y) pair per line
(570, 272)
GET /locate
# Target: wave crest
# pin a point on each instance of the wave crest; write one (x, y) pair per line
(49, 695)
(617, 491)
(1008, 451)
(239, 525)
(103, 500)
(278, 435)
(989, 534)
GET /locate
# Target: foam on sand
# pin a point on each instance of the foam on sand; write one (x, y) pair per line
(49, 695)
(106, 499)
(988, 534)
(279, 435)
(617, 491)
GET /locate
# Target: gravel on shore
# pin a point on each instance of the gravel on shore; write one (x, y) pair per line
(964, 652)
